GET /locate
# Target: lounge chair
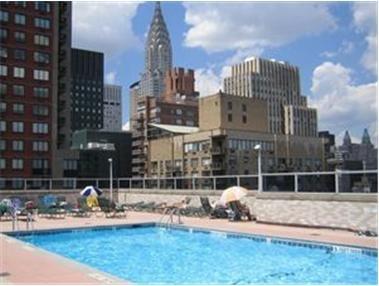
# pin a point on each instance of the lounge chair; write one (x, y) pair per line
(48, 207)
(81, 210)
(216, 212)
(111, 209)
(133, 206)
(238, 211)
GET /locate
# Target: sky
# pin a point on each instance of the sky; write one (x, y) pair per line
(334, 44)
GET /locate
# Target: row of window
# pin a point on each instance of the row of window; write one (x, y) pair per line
(18, 127)
(20, 19)
(19, 72)
(20, 108)
(20, 37)
(196, 146)
(19, 90)
(18, 164)
(20, 54)
(18, 145)
(243, 106)
(244, 144)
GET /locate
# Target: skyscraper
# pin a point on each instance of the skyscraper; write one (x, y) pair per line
(158, 56)
(112, 107)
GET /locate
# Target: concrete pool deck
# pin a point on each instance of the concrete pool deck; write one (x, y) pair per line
(22, 264)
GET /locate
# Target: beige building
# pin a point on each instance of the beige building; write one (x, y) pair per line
(278, 83)
(221, 146)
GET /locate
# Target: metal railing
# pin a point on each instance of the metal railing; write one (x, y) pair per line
(339, 181)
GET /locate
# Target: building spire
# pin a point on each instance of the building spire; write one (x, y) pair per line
(346, 139)
(366, 137)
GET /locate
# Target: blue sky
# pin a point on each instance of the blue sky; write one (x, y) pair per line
(334, 44)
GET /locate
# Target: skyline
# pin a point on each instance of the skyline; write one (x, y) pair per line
(334, 48)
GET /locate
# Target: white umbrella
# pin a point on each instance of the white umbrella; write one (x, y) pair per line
(233, 194)
(91, 191)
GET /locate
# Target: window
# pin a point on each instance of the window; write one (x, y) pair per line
(18, 127)
(230, 105)
(40, 164)
(3, 126)
(230, 117)
(41, 57)
(40, 110)
(3, 34)
(41, 40)
(3, 52)
(4, 16)
(18, 145)
(40, 128)
(70, 164)
(194, 163)
(42, 6)
(178, 112)
(40, 146)
(3, 89)
(19, 19)
(19, 54)
(19, 37)
(244, 119)
(244, 107)
(41, 75)
(18, 90)
(18, 108)
(42, 23)
(3, 106)
(3, 70)
(3, 145)
(18, 72)
(17, 164)
(41, 92)
(2, 163)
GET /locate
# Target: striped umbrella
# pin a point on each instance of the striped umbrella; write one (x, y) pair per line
(233, 194)
(91, 191)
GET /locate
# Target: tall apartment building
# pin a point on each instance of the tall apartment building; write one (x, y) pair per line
(112, 107)
(33, 81)
(87, 74)
(279, 84)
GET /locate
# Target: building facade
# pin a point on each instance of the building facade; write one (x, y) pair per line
(279, 84)
(112, 107)
(33, 81)
(87, 95)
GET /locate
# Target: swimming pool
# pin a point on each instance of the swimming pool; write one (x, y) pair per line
(153, 254)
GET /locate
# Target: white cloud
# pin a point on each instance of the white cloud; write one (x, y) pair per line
(365, 21)
(346, 48)
(110, 78)
(225, 26)
(207, 81)
(126, 126)
(104, 26)
(341, 104)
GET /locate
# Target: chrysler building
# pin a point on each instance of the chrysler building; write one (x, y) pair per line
(158, 56)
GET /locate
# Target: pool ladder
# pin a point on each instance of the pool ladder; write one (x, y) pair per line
(167, 219)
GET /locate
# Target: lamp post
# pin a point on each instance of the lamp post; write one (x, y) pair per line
(258, 148)
(110, 179)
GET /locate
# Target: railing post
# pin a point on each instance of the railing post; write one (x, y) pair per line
(130, 184)
(193, 183)
(175, 186)
(25, 185)
(214, 183)
(143, 184)
(97, 183)
(336, 181)
(238, 181)
(159, 183)
(50, 184)
(296, 183)
(75, 183)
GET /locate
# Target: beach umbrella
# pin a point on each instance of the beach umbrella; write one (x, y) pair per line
(233, 194)
(91, 191)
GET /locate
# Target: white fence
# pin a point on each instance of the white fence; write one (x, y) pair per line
(360, 181)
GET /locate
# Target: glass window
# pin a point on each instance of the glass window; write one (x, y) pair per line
(18, 90)
(18, 72)
(40, 146)
(41, 75)
(3, 89)
(40, 128)
(41, 40)
(244, 119)
(41, 92)
(41, 57)
(4, 16)
(42, 6)
(20, 37)
(42, 23)
(3, 126)
(40, 110)
(19, 54)
(3, 70)
(18, 145)
(3, 52)
(20, 19)
(230, 105)
(17, 164)
(18, 127)
(40, 164)
(230, 117)
(2, 163)
(244, 107)
(3, 34)
(3, 106)
(18, 108)
(3, 145)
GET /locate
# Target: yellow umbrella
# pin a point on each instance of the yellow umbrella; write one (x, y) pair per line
(233, 194)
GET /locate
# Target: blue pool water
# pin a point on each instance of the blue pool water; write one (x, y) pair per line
(147, 255)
